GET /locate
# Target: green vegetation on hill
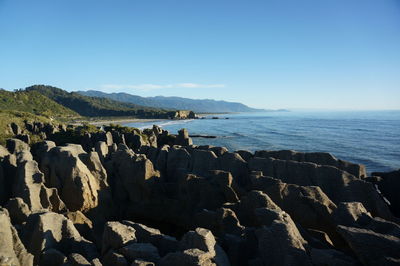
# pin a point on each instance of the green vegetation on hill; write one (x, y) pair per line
(175, 103)
(96, 106)
(35, 103)
(7, 117)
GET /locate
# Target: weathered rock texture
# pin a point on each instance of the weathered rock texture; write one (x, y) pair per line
(130, 197)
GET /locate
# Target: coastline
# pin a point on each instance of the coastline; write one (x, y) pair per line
(118, 121)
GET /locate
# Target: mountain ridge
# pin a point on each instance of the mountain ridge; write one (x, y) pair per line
(175, 102)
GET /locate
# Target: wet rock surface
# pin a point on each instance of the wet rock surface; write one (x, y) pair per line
(151, 198)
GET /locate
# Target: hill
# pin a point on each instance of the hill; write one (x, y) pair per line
(178, 103)
(96, 106)
(35, 103)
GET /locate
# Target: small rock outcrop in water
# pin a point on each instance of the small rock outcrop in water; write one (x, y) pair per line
(151, 198)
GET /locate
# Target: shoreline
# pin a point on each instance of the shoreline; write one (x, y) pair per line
(120, 121)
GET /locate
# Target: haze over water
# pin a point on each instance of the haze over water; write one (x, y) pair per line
(371, 138)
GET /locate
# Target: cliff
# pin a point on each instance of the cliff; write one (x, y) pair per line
(121, 196)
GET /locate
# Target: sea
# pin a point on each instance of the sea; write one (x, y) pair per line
(371, 138)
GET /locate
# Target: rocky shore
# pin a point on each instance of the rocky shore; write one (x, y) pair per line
(131, 197)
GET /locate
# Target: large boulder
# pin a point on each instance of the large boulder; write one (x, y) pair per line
(183, 138)
(145, 234)
(372, 248)
(117, 235)
(12, 251)
(281, 243)
(320, 158)
(78, 176)
(389, 185)
(338, 185)
(133, 174)
(45, 230)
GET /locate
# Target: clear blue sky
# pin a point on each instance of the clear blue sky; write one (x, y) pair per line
(265, 53)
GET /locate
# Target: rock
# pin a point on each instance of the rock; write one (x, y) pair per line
(28, 184)
(16, 146)
(178, 159)
(102, 149)
(338, 185)
(145, 234)
(76, 259)
(78, 176)
(248, 204)
(203, 161)
(114, 259)
(320, 158)
(133, 175)
(201, 239)
(330, 257)
(96, 262)
(142, 263)
(144, 251)
(246, 155)
(41, 148)
(347, 213)
(116, 235)
(371, 248)
(52, 257)
(233, 163)
(48, 230)
(81, 223)
(12, 251)
(183, 138)
(228, 223)
(25, 138)
(190, 257)
(389, 185)
(3, 152)
(18, 210)
(16, 129)
(307, 205)
(281, 243)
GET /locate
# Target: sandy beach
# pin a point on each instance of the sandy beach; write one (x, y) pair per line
(118, 121)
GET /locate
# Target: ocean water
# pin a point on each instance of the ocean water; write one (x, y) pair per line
(371, 138)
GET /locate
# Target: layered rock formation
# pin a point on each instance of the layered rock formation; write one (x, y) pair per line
(151, 198)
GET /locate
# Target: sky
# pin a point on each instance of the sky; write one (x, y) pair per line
(332, 54)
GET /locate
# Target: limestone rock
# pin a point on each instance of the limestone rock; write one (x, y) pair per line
(320, 158)
(76, 259)
(183, 138)
(338, 185)
(78, 176)
(282, 244)
(234, 163)
(113, 258)
(143, 251)
(330, 257)
(190, 257)
(52, 257)
(142, 263)
(16, 146)
(116, 235)
(12, 251)
(145, 234)
(371, 248)
(389, 185)
(203, 161)
(47, 230)
(201, 239)
(18, 210)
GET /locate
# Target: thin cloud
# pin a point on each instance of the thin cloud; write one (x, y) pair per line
(151, 87)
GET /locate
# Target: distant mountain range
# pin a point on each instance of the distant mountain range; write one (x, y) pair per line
(175, 103)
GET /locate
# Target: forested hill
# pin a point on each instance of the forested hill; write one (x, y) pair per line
(177, 103)
(96, 106)
(35, 103)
